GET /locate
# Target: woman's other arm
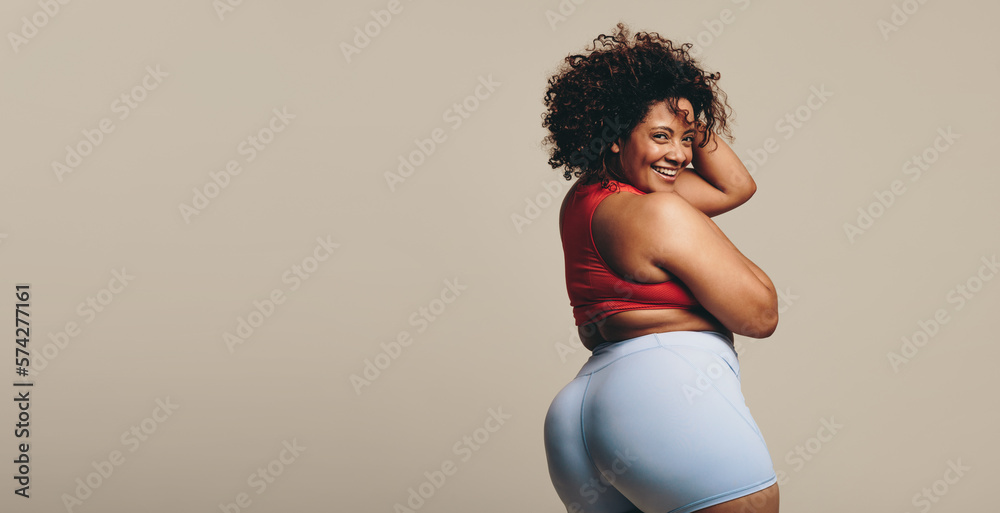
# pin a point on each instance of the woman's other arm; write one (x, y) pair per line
(682, 240)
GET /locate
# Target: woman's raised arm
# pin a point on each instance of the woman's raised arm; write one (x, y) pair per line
(720, 182)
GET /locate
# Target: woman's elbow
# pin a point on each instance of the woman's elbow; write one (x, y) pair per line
(751, 189)
(740, 194)
(761, 325)
(747, 189)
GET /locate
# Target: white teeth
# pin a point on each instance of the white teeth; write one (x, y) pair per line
(665, 171)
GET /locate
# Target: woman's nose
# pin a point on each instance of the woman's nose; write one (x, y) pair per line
(674, 155)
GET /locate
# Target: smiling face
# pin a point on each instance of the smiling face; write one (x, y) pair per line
(658, 148)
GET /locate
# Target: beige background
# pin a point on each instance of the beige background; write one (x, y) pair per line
(506, 342)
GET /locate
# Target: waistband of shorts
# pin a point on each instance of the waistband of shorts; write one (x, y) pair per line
(606, 353)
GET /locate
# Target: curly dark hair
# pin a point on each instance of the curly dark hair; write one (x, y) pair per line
(599, 97)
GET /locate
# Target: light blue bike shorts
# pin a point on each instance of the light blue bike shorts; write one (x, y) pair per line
(655, 423)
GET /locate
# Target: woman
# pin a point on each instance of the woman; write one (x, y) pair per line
(655, 420)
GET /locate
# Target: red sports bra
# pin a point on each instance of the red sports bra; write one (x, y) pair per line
(595, 291)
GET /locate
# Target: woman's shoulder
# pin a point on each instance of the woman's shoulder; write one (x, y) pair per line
(619, 202)
(647, 206)
(646, 219)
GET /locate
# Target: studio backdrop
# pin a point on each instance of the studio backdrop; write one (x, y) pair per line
(303, 256)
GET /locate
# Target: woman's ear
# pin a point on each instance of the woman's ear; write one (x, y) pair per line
(615, 148)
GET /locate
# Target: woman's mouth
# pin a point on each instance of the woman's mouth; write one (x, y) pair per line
(668, 173)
